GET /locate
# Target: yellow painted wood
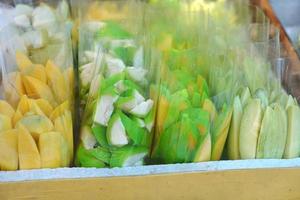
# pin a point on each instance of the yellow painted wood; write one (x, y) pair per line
(263, 184)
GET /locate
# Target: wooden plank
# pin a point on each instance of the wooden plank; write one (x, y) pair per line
(263, 184)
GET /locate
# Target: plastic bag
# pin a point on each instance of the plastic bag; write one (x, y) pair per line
(38, 83)
(117, 87)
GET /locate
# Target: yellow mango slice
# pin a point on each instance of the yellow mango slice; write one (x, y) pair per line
(22, 60)
(64, 125)
(13, 88)
(6, 109)
(17, 116)
(34, 108)
(57, 82)
(37, 89)
(36, 125)
(5, 122)
(163, 108)
(45, 106)
(9, 150)
(50, 145)
(29, 156)
(24, 105)
(59, 110)
(36, 71)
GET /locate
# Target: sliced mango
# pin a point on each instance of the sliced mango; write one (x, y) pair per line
(64, 125)
(29, 156)
(57, 82)
(45, 106)
(36, 125)
(36, 71)
(9, 150)
(163, 107)
(5, 122)
(37, 89)
(6, 109)
(50, 149)
(22, 60)
(24, 105)
(34, 108)
(13, 88)
(17, 116)
(59, 110)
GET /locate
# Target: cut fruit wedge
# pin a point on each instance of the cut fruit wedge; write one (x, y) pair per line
(6, 109)
(249, 129)
(29, 157)
(36, 125)
(9, 150)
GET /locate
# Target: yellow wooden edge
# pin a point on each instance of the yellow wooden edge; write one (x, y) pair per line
(259, 184)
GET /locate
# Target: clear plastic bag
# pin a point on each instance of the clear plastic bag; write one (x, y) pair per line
(39, 84)
(118, 88)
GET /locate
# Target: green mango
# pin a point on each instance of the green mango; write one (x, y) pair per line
(137, 134)
(219, 132)
(292, 148)
(113, 30)
(249, 129)
(128, 156)
(100, 134)
(273, 133)
(84, 158)
(234, 131)
(126, 54)
(116, 132)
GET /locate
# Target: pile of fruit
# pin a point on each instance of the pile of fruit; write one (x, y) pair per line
(118, 110)
(38, 87)
(158, 83)
(37, 129)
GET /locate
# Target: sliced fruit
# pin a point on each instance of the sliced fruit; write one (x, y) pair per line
(5, 122)
(219, 132)
(88, 140)
(134, 131)
(24, 105)
(127, 156)
(100, 134)
(37, 89)
(45, 106)
(57, 82)
(273, 132)
(29, 156)
(34, 108)
(249, 129)
(292, 147)
(9, 150)
(60, 110)
(129, 100)
(85, 158)
(162, 111)
(36, 125)
(50, 149)
(234, 131)
(64, 125)
(209, 106)
(6, 109)
(203, 153)
(36, 71)
(116, 133)
(142, 109)
(17, 116)
(245, 96)
(104, 108)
